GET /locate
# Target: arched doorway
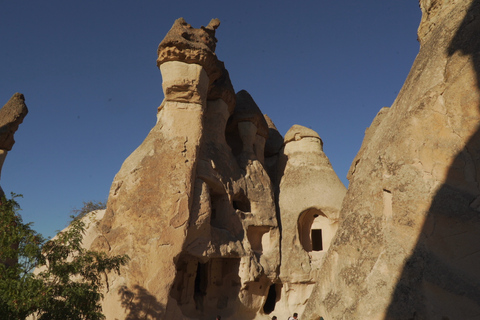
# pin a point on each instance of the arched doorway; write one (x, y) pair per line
(315, 230)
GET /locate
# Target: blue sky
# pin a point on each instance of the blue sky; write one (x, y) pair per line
(88, 72)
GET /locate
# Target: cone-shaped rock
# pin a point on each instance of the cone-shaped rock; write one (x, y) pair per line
(309, 199)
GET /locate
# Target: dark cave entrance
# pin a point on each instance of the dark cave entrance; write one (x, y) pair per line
(271, 300)
(317, 243)
(201, 283)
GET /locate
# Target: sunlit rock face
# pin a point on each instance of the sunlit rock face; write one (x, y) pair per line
(196, 205)
(408, 245)
(309, 200)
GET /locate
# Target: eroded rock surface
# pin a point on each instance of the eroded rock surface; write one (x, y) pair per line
(310, 198)
(11, 116)
(196, 205)
(408, 245)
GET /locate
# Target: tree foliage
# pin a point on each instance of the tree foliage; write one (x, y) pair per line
(67, 280)
(88, 206)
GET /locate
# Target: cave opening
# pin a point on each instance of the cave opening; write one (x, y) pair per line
(241, 202)
(200, 287)
(271, 300)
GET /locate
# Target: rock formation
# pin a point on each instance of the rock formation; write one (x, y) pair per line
(221, 215)
(197, 205)
(11, 116)
(408, 243)
(310, 197)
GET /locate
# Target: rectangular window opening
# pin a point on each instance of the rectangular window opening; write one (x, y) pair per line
(317, 243)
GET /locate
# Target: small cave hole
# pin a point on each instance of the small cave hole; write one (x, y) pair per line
(241, 202)
(269, 305)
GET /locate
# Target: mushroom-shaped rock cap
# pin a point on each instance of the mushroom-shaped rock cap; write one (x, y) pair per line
(11, 115)
(247, 110)
(298, 132)
(187, 44)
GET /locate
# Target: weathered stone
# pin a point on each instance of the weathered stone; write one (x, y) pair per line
(202, 220)
(190, 45)
(247, 110)
(150, 201)
(310, 198)
(408, 245)
(273, 145)
(197, 46)
(274, 141)
(199, 226)
(11, 116)
(247, 130)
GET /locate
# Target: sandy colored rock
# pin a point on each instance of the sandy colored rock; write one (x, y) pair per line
(197, 46)
(408, 244)
(191, 45)
(195, 209)
(309, 201)
(198, 222)
(247, 130)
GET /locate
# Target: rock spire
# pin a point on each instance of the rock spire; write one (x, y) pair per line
(11, 116)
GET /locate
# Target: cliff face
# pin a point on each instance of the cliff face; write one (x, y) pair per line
(196, 205)
(408, 245)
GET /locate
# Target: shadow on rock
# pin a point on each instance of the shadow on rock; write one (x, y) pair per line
(140, 304)
(440, 280)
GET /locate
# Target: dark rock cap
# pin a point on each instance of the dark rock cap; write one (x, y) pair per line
(11, 115)
(187, 44)
(190, 45)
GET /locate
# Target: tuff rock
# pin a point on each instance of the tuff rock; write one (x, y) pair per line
(197, 205)
(408, 245)
(11, 116)
(221, 215)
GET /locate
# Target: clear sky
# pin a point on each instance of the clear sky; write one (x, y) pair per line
(88, 72)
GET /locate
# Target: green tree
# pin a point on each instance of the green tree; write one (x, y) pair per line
(88, 206)
(67, 280)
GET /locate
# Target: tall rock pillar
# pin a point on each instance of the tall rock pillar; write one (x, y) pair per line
(150, 199)
(309, 200)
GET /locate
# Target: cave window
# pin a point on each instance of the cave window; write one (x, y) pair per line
(310, 230)
(317, 243)
(259, 238)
